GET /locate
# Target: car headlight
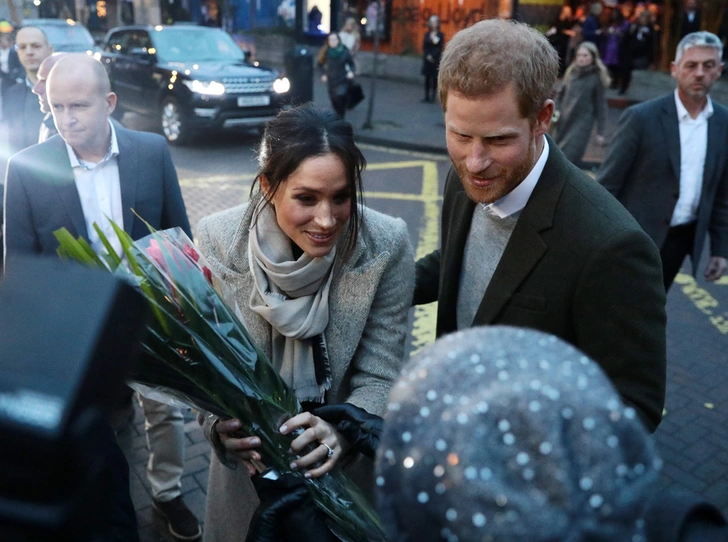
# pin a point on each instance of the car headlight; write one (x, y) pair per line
(281, 85)
(205, 87)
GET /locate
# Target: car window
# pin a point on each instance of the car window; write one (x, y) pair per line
(124, 42)
(61, 35)
(116, 42)
(195, 45)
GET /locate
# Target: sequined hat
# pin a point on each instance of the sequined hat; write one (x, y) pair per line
(500, 433)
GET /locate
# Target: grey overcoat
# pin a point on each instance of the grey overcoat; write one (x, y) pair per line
(582, 103)
(368, 305)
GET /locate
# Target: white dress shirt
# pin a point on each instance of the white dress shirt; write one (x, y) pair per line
(693, 149)
(517, 198)
(5, 60)
(99, 189)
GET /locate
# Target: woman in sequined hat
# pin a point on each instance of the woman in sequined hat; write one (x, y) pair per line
(508, 434)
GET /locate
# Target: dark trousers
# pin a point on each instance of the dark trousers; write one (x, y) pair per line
(679, 243)
(338, 103)
(430, 87)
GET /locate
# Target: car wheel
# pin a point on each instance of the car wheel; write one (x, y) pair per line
(174, 122)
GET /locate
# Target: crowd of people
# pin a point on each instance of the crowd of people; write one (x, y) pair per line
(533, 424)
(627, 36)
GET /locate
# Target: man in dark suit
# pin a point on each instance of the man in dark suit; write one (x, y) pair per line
(527, 238)
(91, 170)
(47, 127)
(690, 18)
(668, 166)
(21, 106)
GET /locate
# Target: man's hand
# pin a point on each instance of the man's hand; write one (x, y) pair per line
(716, 268)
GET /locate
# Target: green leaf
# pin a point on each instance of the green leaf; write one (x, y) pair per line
(76, 249)
(112, 256)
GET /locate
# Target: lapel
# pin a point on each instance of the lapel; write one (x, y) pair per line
(64, 184)
(715, 135)
(128, 162)
(526, 246)
(671, 129)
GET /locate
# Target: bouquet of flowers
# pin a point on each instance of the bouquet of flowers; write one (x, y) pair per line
(198, 348)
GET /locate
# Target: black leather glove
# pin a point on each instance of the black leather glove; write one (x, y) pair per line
(360, 428)
(286, 512)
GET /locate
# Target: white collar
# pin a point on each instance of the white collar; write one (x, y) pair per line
(682, 112)
(113, 151)
(517, 198)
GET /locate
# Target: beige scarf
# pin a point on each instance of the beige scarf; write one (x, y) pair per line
(293, 297)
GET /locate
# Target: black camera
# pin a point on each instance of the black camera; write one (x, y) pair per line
(67, 337)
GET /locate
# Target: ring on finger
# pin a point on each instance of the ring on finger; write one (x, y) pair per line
(330, 450)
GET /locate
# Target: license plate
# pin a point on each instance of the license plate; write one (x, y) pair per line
(247, 101)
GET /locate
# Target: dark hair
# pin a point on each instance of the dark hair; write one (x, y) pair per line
(307, 132)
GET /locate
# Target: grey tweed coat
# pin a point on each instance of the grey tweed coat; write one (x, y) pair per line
(582, 103)
(368, 306)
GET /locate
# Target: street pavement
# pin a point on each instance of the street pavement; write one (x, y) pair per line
(405, 149)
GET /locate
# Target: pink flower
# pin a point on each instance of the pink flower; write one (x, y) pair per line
(191, 253)
(155, 253)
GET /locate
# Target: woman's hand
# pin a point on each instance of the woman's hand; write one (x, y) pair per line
(324, 79)
(322, 435)
(350, 75)
(243, 449)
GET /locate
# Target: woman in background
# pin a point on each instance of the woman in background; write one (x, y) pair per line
(323, 284)
(432, 46)
(581, 103)
(338, 66)
(350, 37)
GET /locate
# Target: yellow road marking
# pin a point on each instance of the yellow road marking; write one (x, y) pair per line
(722, 281)
(209, 180)
(425, 318)
(401, 196)
(703, 301)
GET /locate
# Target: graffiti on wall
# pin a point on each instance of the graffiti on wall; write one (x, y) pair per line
(454, 17)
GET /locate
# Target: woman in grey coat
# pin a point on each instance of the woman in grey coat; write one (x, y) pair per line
(324, 287)
(581, 103)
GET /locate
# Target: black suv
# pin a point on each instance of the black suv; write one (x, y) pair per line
(192, 78)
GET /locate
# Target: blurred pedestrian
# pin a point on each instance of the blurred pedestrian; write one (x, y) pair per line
(614, 51)
(432, 46)
(350, 37)
(338, 67)
(21, 109)
(560, 34)
(10, 68)
(690, 19)
(48, 126)
(642, 41)
(521, 241)
(668, 166)
(94, 171)
(591, 29)
(323, 284)
(581, 103)
(507, 434)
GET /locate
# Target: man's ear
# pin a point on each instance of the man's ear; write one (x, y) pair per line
(543, 119)
(110, 103)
